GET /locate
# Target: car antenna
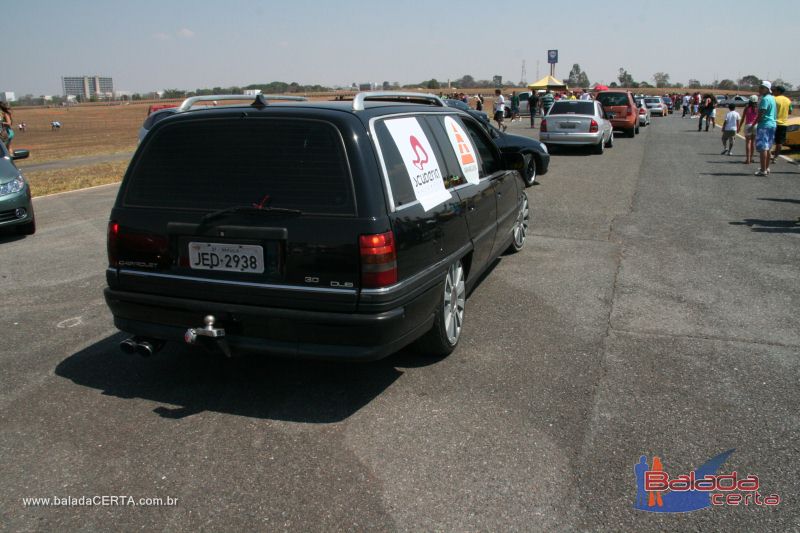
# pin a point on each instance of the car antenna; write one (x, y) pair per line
(260, 102)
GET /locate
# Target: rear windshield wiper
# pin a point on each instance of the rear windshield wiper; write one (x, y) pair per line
(249, 210)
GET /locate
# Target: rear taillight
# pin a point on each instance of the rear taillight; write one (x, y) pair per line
(642, 111)
(593, 127)
(113, 243)
(378, 260)
(543, 126)
(626, 111)
(137, 248)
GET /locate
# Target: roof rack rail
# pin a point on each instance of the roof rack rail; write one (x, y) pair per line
(388, 96)
(260, 99)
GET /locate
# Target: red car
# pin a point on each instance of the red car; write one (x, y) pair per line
(622, 109)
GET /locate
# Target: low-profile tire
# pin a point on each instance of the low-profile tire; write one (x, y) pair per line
(448, 321)
(631, 132)
(636, 129)
(520, 226)
(530, 172)
(610, 143)
(599, 148)
(28, 228)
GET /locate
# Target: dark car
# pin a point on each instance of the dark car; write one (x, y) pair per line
(16, 207)
(669, 103)
(330, 230)
(458, 104)
(537, 158)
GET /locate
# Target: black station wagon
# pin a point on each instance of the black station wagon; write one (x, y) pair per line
(326, 230)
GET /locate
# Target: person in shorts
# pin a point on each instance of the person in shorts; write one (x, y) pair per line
(765, 133)
(499, 109)
(749, 122)
(783, 108)
(729, 129)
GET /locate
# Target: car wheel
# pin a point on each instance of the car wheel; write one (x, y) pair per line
(636, 129)
(520, 226)
(610, 143)
(530, 171)
(632, 132)
(443, 337)
(599, 148)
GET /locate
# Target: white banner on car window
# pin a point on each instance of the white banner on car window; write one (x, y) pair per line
(465, 152)
(420, 161)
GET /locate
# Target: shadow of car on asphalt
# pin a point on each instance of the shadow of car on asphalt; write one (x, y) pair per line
(7, 236)
(770, 226)
(191, 381)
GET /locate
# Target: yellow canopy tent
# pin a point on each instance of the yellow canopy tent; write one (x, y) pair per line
(548, 82)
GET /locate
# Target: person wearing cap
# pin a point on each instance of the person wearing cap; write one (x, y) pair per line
(783, 107)
(749, 121)
(765, 132)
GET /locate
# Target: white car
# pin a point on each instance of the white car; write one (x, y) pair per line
(644, 112)
(656, 105)
(577, 123)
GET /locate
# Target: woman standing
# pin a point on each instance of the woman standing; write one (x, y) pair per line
(7, 133)
(749, 120)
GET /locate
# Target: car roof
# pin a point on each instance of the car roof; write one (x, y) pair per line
(371, 109)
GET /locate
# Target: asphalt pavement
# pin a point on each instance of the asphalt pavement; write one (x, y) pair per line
(652, 312)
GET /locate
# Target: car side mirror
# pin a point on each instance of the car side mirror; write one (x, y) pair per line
(20, 154)
(514, 161)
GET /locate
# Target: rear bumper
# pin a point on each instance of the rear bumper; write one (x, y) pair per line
(624, 124)
(571, 138)
(275, 331)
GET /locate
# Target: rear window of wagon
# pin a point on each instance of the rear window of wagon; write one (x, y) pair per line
(219, 163)
(609, 99)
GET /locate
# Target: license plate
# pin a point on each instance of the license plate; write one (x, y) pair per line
(226, 257)
(568, 125)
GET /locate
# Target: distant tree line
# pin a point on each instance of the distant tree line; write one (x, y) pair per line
(576, 78)
(661, 79)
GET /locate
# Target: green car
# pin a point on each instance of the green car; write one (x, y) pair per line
(16, 207)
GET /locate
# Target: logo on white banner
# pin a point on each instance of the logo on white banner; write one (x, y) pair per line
(465, 152)
(419, 160)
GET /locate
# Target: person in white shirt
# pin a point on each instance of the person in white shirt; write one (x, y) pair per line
(499, 109)
(729, 129)
(685, 104)
(586, 96)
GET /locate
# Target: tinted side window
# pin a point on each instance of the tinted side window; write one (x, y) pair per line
(453, 174)
(489, 162)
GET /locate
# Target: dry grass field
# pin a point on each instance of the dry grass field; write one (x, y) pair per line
(89, 130)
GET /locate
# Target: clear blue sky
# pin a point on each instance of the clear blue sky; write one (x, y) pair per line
(147, 45)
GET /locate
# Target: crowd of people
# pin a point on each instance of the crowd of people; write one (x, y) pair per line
(762, 121)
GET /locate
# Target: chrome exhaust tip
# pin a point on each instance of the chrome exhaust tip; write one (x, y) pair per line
(145, 349)
(148, 347)
(128, 345)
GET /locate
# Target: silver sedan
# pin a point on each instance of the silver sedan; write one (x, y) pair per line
(577, 123)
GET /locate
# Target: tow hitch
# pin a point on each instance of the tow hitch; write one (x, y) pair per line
(213, 335)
